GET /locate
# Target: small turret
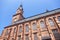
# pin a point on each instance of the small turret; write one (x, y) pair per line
(20, 9)
(19, 14)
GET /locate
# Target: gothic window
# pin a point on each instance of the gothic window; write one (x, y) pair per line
(26, 37)
(42, 24)
(51, 22)
(20, 29)
(34, 26)
(14, 30)
(35, 36)
(58, 18)
(19, 37)
(27, 28)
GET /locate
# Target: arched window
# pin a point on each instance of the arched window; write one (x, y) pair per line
(58, 18)
(34, 26)
(19, 37)
(56, 34)
(51, 22)
(14, 30)
(42, 24)
(12, 38)
(27, 28)
(20, 29)
(7, 32)
(27, 37)
(35, 36)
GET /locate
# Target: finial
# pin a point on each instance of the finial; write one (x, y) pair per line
(20, 7)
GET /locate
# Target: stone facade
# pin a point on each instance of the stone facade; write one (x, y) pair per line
(43, 28)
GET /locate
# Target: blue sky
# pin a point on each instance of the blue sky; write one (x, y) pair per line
(31, 7)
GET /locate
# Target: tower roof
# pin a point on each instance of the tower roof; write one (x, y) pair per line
(20, 7)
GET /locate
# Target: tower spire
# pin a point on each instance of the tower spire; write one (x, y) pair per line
(19, 13)
(21, 5)
(20, 8)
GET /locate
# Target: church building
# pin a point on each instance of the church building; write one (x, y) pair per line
(43, 26)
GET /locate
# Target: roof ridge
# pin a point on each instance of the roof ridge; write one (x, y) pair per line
(42, 13)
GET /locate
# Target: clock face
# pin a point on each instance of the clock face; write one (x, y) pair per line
(15, 18)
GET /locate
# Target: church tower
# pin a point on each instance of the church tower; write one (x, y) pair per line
(19, 14)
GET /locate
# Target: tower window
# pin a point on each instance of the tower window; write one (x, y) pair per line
(20, 29)
(27, 37)
(51, 22)
(42, 24)
(34, 26)
(27, 28)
